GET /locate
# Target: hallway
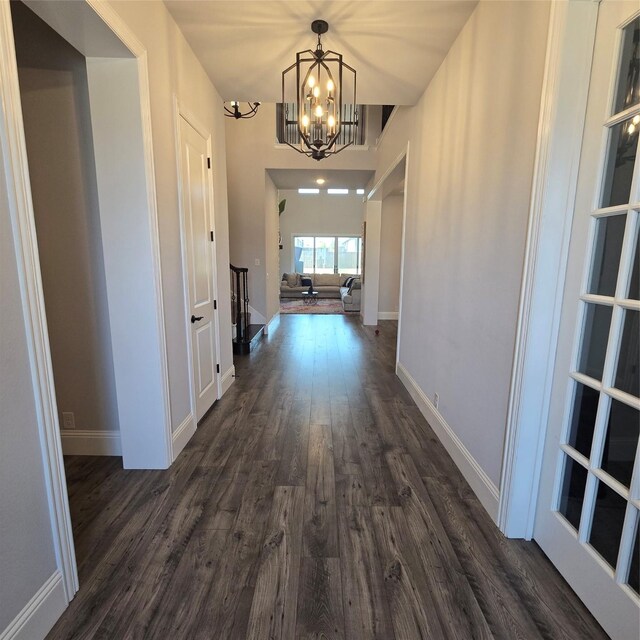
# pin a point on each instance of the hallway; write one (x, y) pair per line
(314, 501)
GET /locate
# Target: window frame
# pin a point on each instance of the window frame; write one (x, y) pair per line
(336, 238)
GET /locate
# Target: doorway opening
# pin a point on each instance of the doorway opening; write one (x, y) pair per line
(320, 240)
(385, 217)
(80, 174)
(54, 92)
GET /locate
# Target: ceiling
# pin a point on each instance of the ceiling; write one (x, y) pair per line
(396, 46)
(306, 178)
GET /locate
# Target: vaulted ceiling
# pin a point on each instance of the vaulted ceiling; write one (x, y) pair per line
(396, 46)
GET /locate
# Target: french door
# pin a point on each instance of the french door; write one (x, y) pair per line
(588, 514)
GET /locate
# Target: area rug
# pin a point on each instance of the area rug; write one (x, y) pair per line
(322, 306)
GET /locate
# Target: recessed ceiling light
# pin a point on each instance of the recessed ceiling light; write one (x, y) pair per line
(320, 181)
(308, 190)
(337, 192)
(360, 192)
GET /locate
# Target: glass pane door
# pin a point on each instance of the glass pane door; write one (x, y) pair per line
(303, 254)
(349, 255)
(325, 254)
(601, 434)
(589, 506)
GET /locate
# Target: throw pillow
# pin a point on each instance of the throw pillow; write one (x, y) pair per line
(348, 281)
(292, 279)
(306, 282)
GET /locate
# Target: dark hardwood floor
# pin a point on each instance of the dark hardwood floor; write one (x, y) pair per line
(313, 502)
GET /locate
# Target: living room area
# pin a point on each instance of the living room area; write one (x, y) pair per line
(322, 236)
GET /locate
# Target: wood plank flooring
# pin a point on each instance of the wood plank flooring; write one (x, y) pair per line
(314, 502)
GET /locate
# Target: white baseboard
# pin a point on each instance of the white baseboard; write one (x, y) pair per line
(387, 315)
(256, 316)
(482, 485)
(228, 378)
(82, 442)
(182, 435)
(272, 324)
(41, 612)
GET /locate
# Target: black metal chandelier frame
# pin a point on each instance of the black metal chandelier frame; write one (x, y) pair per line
(319, 125)
(235, 112)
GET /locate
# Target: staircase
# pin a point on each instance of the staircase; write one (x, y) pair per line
(246, 335)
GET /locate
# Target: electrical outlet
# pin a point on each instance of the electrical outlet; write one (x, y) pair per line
(68, 420)
(257, 261)
(436, 399)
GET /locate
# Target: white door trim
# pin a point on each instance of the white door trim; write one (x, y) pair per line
(402, 249)
(16, 170)
(117, 25)
(15, 165)
(377, 192)
(180, 111)
(564, 97)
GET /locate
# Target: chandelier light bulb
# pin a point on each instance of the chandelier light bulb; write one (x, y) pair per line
(311, 82)
(330, 86)
(631, 129)
(331, 121)
(232, 109)
(319, 112)
(316, 91)
(636, 120)
(305, 121)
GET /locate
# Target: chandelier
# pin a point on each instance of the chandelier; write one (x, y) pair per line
(314, 90)
(234, 111)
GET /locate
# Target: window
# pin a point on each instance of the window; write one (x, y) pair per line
(327, 254)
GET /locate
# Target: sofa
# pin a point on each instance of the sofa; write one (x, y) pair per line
(328, 285)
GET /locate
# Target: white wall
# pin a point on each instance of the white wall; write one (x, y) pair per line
(174, 70)
(252, 149)
(55, 107)
(390, 255)
(472, 142)
(271, 250)
(371, 273)
(321, 214)
(129, 262)
(26, 542)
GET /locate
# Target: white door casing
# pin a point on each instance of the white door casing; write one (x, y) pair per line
(199, 260)
(588, 507)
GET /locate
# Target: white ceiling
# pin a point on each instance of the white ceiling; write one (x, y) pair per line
(306, 178)
(396, 46)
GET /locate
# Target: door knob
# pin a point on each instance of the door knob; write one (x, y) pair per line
(196, 318)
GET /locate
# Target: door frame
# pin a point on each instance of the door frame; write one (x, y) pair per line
(180, 111)
(571, 38)
(378, 193)
(13, 148)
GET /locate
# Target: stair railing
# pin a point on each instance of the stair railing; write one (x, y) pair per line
(240, 301)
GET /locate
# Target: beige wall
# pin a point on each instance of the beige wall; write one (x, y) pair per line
(390, 254)
(55, 106)
(320, 214)
(472, 143)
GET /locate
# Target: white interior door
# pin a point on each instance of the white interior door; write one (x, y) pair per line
(199, 260)
(588, 506)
